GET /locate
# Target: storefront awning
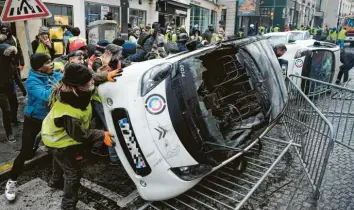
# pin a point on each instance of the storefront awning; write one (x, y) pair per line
(172, 8)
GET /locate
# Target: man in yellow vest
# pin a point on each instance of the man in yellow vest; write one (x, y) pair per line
(42, 43)
(67, 127)
(261, 30)
(342, 35)
(76, 35)
(240, 34)
(333, 35)
(276, 28)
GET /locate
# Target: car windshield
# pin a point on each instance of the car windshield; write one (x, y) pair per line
(298, 35)
(275, 40)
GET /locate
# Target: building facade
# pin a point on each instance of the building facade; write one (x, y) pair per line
(79, 13)
(329, 11)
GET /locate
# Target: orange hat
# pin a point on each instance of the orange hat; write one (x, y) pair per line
(77, 44)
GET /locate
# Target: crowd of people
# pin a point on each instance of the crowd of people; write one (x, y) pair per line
(63, 108)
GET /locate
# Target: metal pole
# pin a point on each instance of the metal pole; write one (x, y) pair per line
(30, 52)
(339, 14)
(236, 29)
(273, 12)
(295, 13)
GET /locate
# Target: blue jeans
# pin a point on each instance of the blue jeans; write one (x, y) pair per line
(98, 109)
(341, 44)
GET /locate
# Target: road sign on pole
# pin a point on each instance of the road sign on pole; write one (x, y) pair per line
(19, 10)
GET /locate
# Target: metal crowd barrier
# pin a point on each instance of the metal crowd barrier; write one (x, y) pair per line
(336, 103)
(308, 131)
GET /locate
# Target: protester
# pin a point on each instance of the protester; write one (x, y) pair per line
(18, 63)
(196, 36)
(342, 35)
(110, 60)
(7, 54)
(251, 30)
(182, 40)
(39, 86)
(134, 36)
(76, 57)
(70, 117)
(280, 50)
(347, 59)
(208, 34)
(100, 48)
(42, 43)
(76, 36)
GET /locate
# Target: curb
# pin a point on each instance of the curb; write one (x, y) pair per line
(5, 169)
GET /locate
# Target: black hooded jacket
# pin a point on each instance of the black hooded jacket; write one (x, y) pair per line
(13, 41)
(7, 54)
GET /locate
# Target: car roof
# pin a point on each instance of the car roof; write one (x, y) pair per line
(299, 32)
(277, 34)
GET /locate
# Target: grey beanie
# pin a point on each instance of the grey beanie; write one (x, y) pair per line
(43, 30)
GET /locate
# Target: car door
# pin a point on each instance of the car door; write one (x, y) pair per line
(319, 65)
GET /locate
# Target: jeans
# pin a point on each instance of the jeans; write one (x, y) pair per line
(6, 113)
(65, 163)
(340, 74)
(31, 127)
(341, 44)
(99, 113)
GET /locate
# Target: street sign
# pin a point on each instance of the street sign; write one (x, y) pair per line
(19, 10)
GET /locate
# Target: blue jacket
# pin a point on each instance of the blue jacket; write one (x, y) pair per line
(39, 87)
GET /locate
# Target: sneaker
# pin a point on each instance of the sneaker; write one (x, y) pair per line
(11, 138)
(338, 82)
(17, 122)
(10, 190)
(99, 152)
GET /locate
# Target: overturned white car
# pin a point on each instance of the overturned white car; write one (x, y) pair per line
(177, 119)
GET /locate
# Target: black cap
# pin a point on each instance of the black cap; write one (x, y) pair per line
(38, 60)
(75, 53)
(76, 74)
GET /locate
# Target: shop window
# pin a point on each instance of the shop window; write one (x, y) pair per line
(61, 15)
(200, 17)
(137, 17)
(96, 11)
(213, 17)
(223, 17)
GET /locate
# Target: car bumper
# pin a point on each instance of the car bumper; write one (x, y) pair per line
(157, 182)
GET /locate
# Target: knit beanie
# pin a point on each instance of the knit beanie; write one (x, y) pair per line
(76, 74)
(43, 30)
(38, 60)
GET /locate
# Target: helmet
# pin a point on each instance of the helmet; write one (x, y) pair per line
(77, 44)
(252, 26)
(183, 37)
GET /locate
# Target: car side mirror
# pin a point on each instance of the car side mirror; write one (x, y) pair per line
(292, 41)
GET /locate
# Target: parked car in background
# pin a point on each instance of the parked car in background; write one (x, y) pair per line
(276, 38)
(177, 119)
(301, 35)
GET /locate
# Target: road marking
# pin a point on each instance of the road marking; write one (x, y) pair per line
(121, 201)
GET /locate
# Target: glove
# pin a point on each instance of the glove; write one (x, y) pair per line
(20, 68)
(108, 139)
(112, 74)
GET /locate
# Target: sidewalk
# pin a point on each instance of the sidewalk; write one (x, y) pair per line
(9, 151)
